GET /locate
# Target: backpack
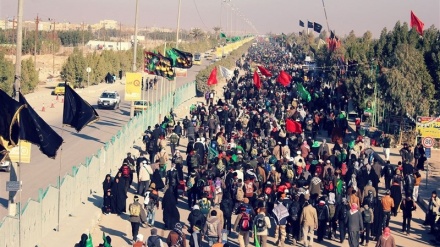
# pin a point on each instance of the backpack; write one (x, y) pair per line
(294, 210)
(194, 161)
(221, 165)
(135, 210)
(273, 159)
(245, 222)
(161, 159)
(125, 171)
(190, 183)
(240, 194)
(290, 173)
(260, 223)
(331, 211)
(390, 171)
(268, 191)
(211, 229)
(204, 207)
(366, 216)
(329, 186)
(249, 187)
(248, 145)
(207, 190)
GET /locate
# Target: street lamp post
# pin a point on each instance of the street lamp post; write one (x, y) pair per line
(136, 15)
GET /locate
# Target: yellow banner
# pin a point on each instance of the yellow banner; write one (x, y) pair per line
(24, 150)
(133, 86)
(428, 127)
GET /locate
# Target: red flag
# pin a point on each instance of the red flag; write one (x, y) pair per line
(212, 80)
(284, 78)
(417, 23)
(293, 126)
(257, 81)
(264, 71)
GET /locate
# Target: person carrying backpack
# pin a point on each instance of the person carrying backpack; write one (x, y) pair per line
(388, 174)
(367, 218)
(154, 240)
(127, 173)
(261, 226)
(243, 225)
(137, 216)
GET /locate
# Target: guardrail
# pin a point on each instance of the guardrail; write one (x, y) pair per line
(39, 217)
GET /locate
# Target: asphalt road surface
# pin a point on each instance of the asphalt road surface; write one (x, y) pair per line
(43, 171)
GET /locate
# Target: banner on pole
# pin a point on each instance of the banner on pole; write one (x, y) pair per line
(181, 72)
(23, 149)
(133, 87)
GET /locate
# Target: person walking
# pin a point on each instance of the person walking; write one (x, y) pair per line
(368, 219)
(176, 238)
(151, 203)
(387, 146)
(154, 240)
(174, 142)
(139, 241)
(407, 206)
(386, 239)
(261, 226)
(431, 213)
(309, 221)
(387, 205)
(145, 171)
(355, 225)
(137, 216)
(213, 229)
(417, 181)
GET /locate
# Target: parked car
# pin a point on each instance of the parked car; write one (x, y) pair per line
(197, 58)
(60, 88)
(5, 163)
(109, 99)
(140, 105)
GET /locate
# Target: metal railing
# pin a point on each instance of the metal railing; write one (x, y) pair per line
(39, 217)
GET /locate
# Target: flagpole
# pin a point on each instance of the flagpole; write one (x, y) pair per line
(59, 181)
(19, 193)
(307, 27)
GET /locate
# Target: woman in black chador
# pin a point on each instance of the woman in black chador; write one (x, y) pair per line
(170, 212)
(119, 196)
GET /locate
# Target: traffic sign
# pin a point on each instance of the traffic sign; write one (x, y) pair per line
(13, 185)
(428, 153)
(428, 142)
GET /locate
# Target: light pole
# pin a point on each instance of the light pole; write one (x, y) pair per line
(134, 49)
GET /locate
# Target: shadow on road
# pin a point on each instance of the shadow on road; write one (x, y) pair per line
(108, 123)
(115, 233)
(87, 137)
(4, 202)
(96, 200)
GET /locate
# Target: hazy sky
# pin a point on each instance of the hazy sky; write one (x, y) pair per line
(267, 15)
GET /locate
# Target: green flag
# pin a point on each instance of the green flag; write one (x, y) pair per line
(305, 95)
(222, 35)
(89, 242)
(173, 56)
(106, 243)
(257, 243)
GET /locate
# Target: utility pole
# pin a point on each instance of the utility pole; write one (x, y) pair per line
(15, 174)
(37, 21)
(53, 46)
(82, 27)
(136, 15)
(120, 35)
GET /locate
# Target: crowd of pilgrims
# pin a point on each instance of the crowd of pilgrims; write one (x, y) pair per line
(242, 159)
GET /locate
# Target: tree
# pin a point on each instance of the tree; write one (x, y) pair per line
(197, 33)
(217, 31)
(29, 76)
(407, 83)
(6, 74)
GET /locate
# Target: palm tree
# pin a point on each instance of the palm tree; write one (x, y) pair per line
(216, 31)
(197, 33)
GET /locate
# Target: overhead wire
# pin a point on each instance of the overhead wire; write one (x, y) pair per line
(200, 17)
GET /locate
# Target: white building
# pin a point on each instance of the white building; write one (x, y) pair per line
(109, 45)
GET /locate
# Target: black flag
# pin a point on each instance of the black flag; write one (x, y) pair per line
(77, 112)
(35, 130)
(9, 129)
(309, 24)
(301, 23)
(332, 35)
(317, 27)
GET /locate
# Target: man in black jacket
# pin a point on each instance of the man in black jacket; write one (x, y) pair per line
(178, 131)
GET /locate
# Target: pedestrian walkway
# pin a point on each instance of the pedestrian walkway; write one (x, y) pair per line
(90, 219)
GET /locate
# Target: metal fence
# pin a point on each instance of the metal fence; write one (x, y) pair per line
(39, 217)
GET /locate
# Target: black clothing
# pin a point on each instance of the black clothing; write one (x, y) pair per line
(171, 214)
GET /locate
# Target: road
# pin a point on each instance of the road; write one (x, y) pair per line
(43, 171)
